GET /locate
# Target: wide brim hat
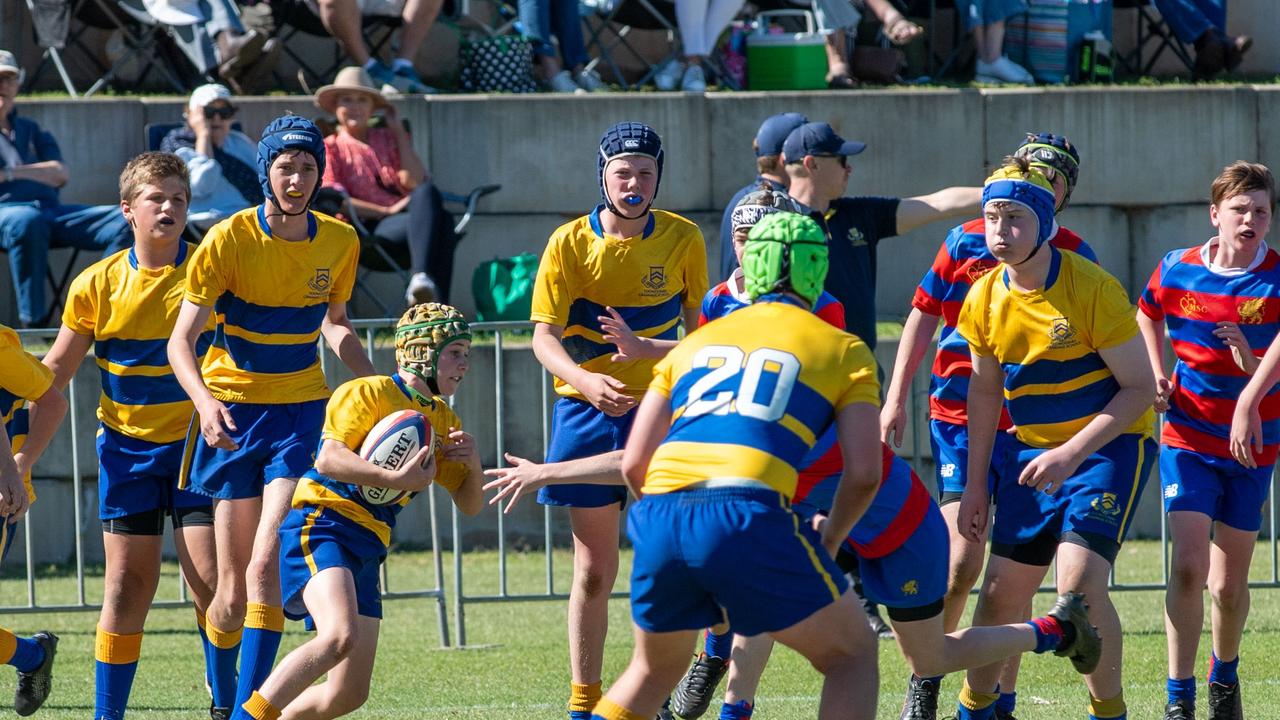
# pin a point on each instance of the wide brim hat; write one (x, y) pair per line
(349, 79)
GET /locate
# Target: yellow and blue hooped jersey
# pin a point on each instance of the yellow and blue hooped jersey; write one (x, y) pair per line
(269, 298)
(130, 311)
(1047, 342)
(751, 393)
(356, 406)
(22, 378)
(650, 280)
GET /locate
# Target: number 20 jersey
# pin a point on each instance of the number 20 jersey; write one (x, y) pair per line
(750, 394)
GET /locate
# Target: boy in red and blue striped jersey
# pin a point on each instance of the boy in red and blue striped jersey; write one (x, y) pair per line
(1219, 301)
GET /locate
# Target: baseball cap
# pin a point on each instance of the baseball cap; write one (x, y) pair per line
(817, 138)
(9, 63)
(774, 131)
(206, 94)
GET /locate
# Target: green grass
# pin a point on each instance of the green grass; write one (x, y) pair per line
(516, 667)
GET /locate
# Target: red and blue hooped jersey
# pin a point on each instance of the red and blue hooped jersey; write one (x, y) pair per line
(901, 502)
(722, 300)
(1192, 299)
(963, 258)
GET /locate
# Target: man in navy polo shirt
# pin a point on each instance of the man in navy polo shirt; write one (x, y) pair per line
(817, 162)
(770, 173)
(31, 217)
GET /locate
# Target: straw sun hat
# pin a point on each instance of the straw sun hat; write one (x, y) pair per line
(350, 79)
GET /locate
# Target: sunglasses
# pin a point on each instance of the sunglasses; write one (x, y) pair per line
(843, 159)
(223, 111)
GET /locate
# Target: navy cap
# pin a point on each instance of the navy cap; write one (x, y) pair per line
(817, 139)
(774, 131)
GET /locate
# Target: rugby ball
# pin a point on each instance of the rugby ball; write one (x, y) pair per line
(391, 443)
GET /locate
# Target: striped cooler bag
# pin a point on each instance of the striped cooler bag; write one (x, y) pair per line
(1046, 39)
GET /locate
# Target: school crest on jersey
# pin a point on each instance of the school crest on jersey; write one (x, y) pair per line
(856, 238)
(1191, 307)
(319, 284)
(978, 269)
(1061, 334)
(655, 283)
(1251, 311)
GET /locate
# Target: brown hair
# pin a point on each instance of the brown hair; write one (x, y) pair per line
(769, 165)
(1241, 177)
(150, 168)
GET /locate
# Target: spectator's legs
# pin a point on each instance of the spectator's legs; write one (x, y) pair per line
(434, 254)
(342, 19)
(837, 61)
(989, 39)
(838, 18)
(90, 227)
(1187, 19)
(419, 16)
(535, 17)
(691, 16)
(24, 235)
(566, 25)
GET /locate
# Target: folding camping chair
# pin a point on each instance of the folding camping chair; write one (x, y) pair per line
(613, 20)
(1150, 28)
(291, 17)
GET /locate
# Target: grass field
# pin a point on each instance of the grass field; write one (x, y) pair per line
(515, 666)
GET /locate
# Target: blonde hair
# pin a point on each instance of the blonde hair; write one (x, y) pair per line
(150, 168)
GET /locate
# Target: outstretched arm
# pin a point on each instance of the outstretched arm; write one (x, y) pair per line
(522, 476)
(945, 203)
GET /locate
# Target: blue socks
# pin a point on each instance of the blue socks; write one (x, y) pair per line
(27, 655)
(1183, 689)
(1007, 702)
(224, 648)
(720, 646)
(116, 663)
(263, 626)
(740, 710)
(1224, 672)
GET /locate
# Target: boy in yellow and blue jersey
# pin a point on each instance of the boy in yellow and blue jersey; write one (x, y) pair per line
(124, 307)
(715, 456)
(275, 277)
(333, 540)
(613, 289)
(30, 410)
(1054, 337)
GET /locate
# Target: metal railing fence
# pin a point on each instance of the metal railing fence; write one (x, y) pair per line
(377, 335)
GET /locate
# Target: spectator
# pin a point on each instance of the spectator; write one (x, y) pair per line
(344, 20)
(1204, 24)
(769, 173)
(221, 160)
(210, 34)
(700, 23)
(31, 217)
(986, 18)
(388, 183)
(543, 18)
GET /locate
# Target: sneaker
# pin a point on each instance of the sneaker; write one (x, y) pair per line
(668, 76)
(562, 82)
(1181, 709)
(693, 694)
(590, 81)
(34, 687)
(1224, 701)
(922, 700)
(881, 628)
(407, 80)
(1086, 648)
(694, 80)
(422, 289)
(1002, 71)
(219, 713)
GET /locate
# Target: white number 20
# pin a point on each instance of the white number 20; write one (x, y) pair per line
(730, 360)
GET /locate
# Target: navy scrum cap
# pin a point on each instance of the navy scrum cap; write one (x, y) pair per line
(288, 132)
(774, 131)
(817, 139)
(628, 139)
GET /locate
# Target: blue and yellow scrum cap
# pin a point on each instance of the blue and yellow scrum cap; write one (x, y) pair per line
(1028, 188)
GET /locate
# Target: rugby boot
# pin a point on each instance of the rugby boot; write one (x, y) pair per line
(922, 700)
(219, 713)
(1085, 648)
(34, 687)
(693, 694)
(1180, 709)
(1004, 715)
(1224, 701)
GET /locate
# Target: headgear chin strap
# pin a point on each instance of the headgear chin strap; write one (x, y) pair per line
(285, 133)
(1027, 188)
(623, 140)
